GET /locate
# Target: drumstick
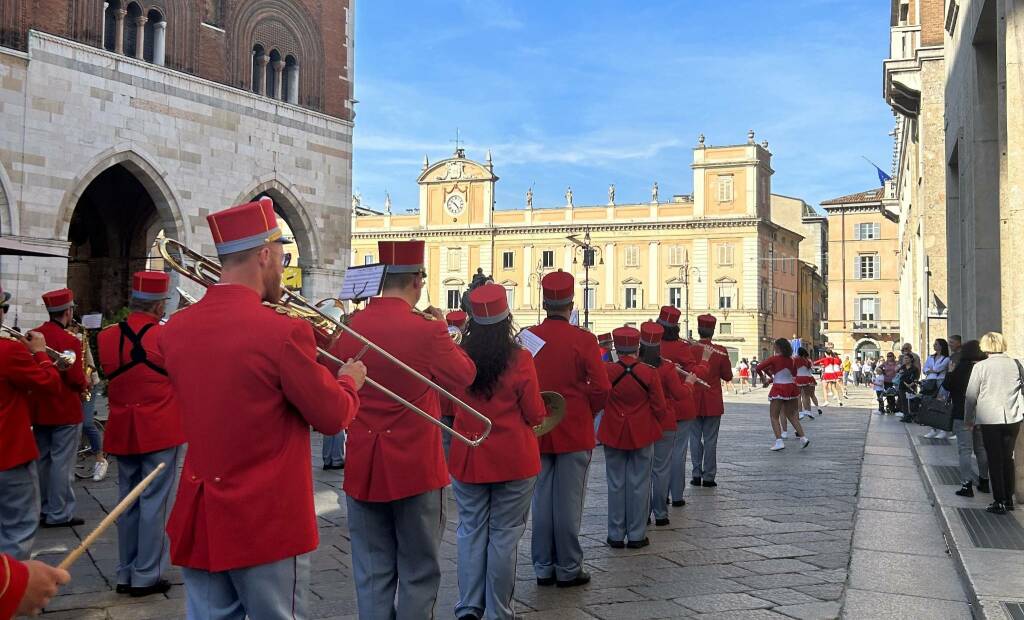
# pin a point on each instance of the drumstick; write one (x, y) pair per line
(111, 518)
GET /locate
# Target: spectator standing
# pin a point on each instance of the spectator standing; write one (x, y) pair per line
(867, 372)
(906, 385)
(889, 368)
(847, 368)
(753, 375)
(955, 383)
(935, 369)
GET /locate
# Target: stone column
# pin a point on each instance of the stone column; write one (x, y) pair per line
(278, 68)
(261, 73)
(318, 283)
(159, 42)
(652, 274)
(140, 35)
(119, 16)
(292, 84)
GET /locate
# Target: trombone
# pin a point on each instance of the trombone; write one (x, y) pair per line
(206, 272)
(61, 359)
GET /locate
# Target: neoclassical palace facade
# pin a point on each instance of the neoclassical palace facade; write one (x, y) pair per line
(719, 248)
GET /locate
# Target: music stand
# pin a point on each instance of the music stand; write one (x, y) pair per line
(362, 282)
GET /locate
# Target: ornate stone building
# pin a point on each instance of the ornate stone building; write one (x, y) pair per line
(720, 248)
(124, 119)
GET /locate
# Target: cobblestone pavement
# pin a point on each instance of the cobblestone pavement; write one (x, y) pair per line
(772, 541)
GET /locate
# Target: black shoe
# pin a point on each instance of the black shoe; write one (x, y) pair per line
(638, 544)
(966, 491)
(469, 616)
(582, 579)
(648, 520)
(72, 522)
(676, 503)
(695, 481)
(996, 508)
(820, 412)
(123, 588)
(545, 581)
(709, 483)
(1008, 504)
(330, 467)
(615, 544)
(661, 522)
(983, 486)
(159, 587)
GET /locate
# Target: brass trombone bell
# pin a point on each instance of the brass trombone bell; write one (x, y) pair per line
(61, 359)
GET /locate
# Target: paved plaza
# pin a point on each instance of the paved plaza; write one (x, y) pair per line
(773, 540)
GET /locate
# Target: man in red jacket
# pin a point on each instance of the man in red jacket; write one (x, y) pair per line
(57, 418)
(396, 473)
(249, 388)
(569, 363)
(143, 431)
(704, 438)
(27, 587)
(24, 366)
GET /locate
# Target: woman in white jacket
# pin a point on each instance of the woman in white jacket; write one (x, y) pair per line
(992, 403)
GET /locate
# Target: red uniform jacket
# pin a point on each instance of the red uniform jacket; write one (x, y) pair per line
(13, 581)
(633, 415)
(675, 396)
(20, 371)
(570, 364)
(510, 452)
(249, 388)
(392, 452)
(144, 414)
(718, 369)
(679, 352)
(65, 406)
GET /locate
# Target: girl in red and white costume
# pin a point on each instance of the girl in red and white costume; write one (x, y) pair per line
(805, 381)
(831, 373)
(784, 394)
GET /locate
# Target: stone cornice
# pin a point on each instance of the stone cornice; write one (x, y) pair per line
(566, 228)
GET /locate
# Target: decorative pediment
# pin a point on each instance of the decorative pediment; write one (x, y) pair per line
(632, 280)
(591, 282)
(675, 280)
(454, 282)
(456, 169)
(725, 280)
(509, 283)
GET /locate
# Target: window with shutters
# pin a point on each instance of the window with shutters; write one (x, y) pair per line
(675, 296)
(547, 259)
(632, 300)
(454, 298)
(867, 308)
(632, 258)
(725, 253)
(866, 231)
(508, 260)
(726, 293)
(454, 259)
(590, 298)
(867, 267)
(725, 184)
(676, 255)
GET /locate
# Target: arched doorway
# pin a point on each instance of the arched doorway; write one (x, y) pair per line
(293, 272)
(867, 350)
(112, 230)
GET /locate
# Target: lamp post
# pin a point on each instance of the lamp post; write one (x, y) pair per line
(589, 254)
(684, 273)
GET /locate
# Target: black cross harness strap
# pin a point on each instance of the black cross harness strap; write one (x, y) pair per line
(139, 355)
(628, 370)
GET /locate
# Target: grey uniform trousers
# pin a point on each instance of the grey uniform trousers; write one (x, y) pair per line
(19, 509)
(333, 449)
(395, 555)
(557, 515)
(969, 442)
(629, 502)
(678, 483)
(58, 446)
(704, 446)
(142, 543)
(661, 473)
(274, 591)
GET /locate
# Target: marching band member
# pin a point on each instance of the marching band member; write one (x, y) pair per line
(784, 393)
(631, 424)
(607, 344)
(249, 387)
(457, 320)
(57, 418)
(494, 482)
(678, 352)
(396, 470)
(569, 363)
(143, 431)
(27, 587)
(704, 438)
(24, 366)
(661, 460)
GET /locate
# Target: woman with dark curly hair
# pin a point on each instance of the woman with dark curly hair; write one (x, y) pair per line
(494, 482)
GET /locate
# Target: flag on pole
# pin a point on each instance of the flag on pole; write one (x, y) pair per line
(882, 176)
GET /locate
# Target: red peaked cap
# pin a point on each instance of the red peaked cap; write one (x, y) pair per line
(56, 301)
(150, 285)
(558, 288)
(707, 321)
(651, 333)
(669, 316)
(489, 304)
(456, 318)
(245, 226)
(627, 339)
(402, 256)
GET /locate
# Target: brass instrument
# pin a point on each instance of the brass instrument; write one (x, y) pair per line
(686, 373)
(455, 333)
(61, 359)
(327, 329)
(555, 405)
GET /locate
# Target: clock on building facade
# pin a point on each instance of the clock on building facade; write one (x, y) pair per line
(455, 205)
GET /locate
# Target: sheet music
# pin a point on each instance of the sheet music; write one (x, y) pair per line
(362, 282)
(92, 321)
(530, 341)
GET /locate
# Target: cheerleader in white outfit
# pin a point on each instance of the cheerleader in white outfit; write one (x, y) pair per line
(784, 394)
(805, 381)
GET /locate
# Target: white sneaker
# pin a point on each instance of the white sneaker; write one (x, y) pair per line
(99, 471)
(876, 412)
(930, 434)
(778, 445)
(804, 442)
(785, 434)
(941, 435)
(824, 404)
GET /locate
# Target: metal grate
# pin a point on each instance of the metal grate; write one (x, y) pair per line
(926, 441)
(989, 531)
(1015, 610)
(946, 474)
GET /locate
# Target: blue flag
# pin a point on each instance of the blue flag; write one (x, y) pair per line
(882, 176)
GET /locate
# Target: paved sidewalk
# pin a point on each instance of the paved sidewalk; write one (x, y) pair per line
(773, 541)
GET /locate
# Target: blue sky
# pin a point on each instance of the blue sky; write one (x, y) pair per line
(591, 92)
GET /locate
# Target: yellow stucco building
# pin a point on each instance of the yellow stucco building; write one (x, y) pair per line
(719, 248)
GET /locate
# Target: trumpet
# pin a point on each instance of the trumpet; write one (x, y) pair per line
(327, 329)
(686, 373)
(61, 359)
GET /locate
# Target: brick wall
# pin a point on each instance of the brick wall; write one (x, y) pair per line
(932, 22)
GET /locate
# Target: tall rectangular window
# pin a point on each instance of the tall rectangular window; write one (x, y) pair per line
(368, 259)
(590, 298)
(454, 259)
(866, 308)
(676, 255)
(725, 296)
(510, 296)
(725, 184)
(454, 298)
(632, 298)
(867, 267)
(866, 231)
(675, 296)
(508, 260)
(632, 256)
(547, 259)
(725, 253)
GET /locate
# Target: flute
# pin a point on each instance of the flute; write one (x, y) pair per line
(687, 373)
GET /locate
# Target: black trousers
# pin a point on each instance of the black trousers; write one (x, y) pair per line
(999, 440)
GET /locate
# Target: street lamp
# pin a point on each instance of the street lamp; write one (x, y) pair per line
(684, 273)
(589, 254)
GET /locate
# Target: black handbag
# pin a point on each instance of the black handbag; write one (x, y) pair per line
(936, 413)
